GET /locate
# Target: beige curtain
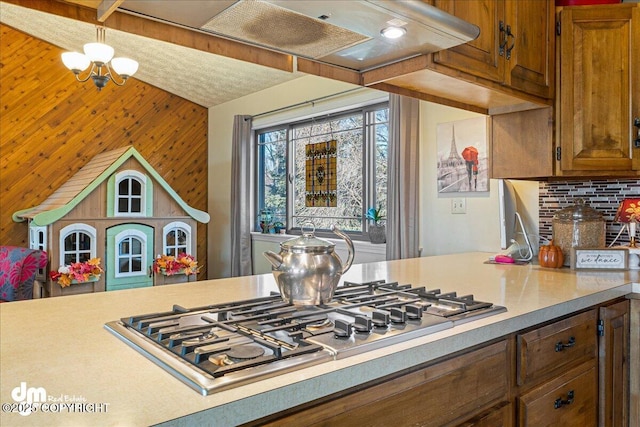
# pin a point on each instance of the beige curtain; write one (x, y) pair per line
(242, 158)
(403, 178)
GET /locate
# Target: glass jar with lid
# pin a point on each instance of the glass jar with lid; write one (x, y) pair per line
(578, 226)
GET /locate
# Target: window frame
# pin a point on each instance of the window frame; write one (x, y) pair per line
(144, 262)
(77, 228)
(368, 161)
(176, 225)
(129, 175)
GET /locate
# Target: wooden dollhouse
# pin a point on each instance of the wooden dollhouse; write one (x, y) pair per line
(116, 208)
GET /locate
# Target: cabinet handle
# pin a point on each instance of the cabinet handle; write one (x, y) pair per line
(502, 39)
(559, 403)
(561, 346)
(513, 43)
(636, 123)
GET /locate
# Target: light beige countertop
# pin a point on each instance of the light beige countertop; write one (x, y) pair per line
(61, 345)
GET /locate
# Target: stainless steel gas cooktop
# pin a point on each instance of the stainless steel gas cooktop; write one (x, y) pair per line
(220, 346)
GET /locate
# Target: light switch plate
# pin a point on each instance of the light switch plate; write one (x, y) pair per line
(458, 206)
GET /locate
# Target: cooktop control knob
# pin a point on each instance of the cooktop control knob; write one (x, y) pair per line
(414, 311)
(363, 325)
(342, 329)
(398, 315)
(380, 318)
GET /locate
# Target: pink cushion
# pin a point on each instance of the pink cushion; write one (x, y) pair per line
(18, 268)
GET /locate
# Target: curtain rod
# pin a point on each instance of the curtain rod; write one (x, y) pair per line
(311, 101)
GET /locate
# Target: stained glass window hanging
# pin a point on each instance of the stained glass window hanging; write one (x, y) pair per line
(320, 172)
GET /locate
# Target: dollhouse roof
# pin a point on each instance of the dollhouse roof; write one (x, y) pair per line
(87, 179)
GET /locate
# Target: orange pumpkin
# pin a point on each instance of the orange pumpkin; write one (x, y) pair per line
(550, 256)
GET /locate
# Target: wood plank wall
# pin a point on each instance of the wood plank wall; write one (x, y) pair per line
(51, 125)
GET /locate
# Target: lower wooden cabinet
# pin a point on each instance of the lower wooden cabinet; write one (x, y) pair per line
(548, 351)
(445, 394)
(614, 365)
(569, 400)
(570, 372)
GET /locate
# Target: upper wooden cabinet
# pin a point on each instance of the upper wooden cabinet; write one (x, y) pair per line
(599, 91)
(509, 67)
(515, 47)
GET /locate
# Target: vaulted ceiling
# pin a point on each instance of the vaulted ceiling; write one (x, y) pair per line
(202, 77)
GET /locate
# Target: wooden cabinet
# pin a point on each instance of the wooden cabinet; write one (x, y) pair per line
(599, 90)
(471, 387)
(515, 47)
(522, 144)
(572, 372)
(614, 365)
(547, 351)
(569, 400)
(557, 373)
(509, 67)
(598, 102)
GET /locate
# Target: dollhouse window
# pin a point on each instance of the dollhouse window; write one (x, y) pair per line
(177, 238)
(38, 240)
(131, 253)
(130, 193)
(77, 243)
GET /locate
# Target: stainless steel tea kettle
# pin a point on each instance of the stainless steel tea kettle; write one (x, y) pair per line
(307, 270)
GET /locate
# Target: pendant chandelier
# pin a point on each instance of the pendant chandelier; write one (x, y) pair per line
(99, 55)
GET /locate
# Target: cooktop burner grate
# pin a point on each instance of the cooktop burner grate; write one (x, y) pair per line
(219, 346)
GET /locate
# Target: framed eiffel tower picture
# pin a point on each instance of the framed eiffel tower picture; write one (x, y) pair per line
(462, 156)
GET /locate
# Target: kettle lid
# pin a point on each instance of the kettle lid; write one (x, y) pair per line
(307, 242)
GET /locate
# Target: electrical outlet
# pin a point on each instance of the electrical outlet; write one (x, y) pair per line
(458, 206)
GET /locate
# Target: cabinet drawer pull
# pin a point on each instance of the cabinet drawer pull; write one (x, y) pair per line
(561, 346)
(503, 39)
(636, 123)
(513, 43)
(559, 403)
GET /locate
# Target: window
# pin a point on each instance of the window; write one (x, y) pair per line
(130, 253)
(130, 193)
(38, 240)
(361, 136)
(177, 238)
(77, 243)
(38, 237)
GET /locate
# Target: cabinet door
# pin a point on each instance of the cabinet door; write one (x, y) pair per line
(614, 366)
(599, 88)
(479, 57)
(515, 47)
(522, 144)
(530, 47)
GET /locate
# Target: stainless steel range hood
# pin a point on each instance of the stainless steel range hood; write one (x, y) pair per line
(339, 32)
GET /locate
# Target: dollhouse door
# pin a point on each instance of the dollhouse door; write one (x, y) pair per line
(129, 255)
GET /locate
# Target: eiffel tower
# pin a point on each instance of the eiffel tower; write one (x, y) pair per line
(454, 158)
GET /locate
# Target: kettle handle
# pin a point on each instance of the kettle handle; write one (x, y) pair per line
(349, 243)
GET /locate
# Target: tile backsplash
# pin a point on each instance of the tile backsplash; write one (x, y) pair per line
(603, 196)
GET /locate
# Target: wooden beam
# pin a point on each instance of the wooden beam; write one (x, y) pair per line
(386, 87)
(106, 8)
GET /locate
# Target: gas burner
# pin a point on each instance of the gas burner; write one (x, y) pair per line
(245, 352)
(189, 339)
(319, 325)
(220, 346)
